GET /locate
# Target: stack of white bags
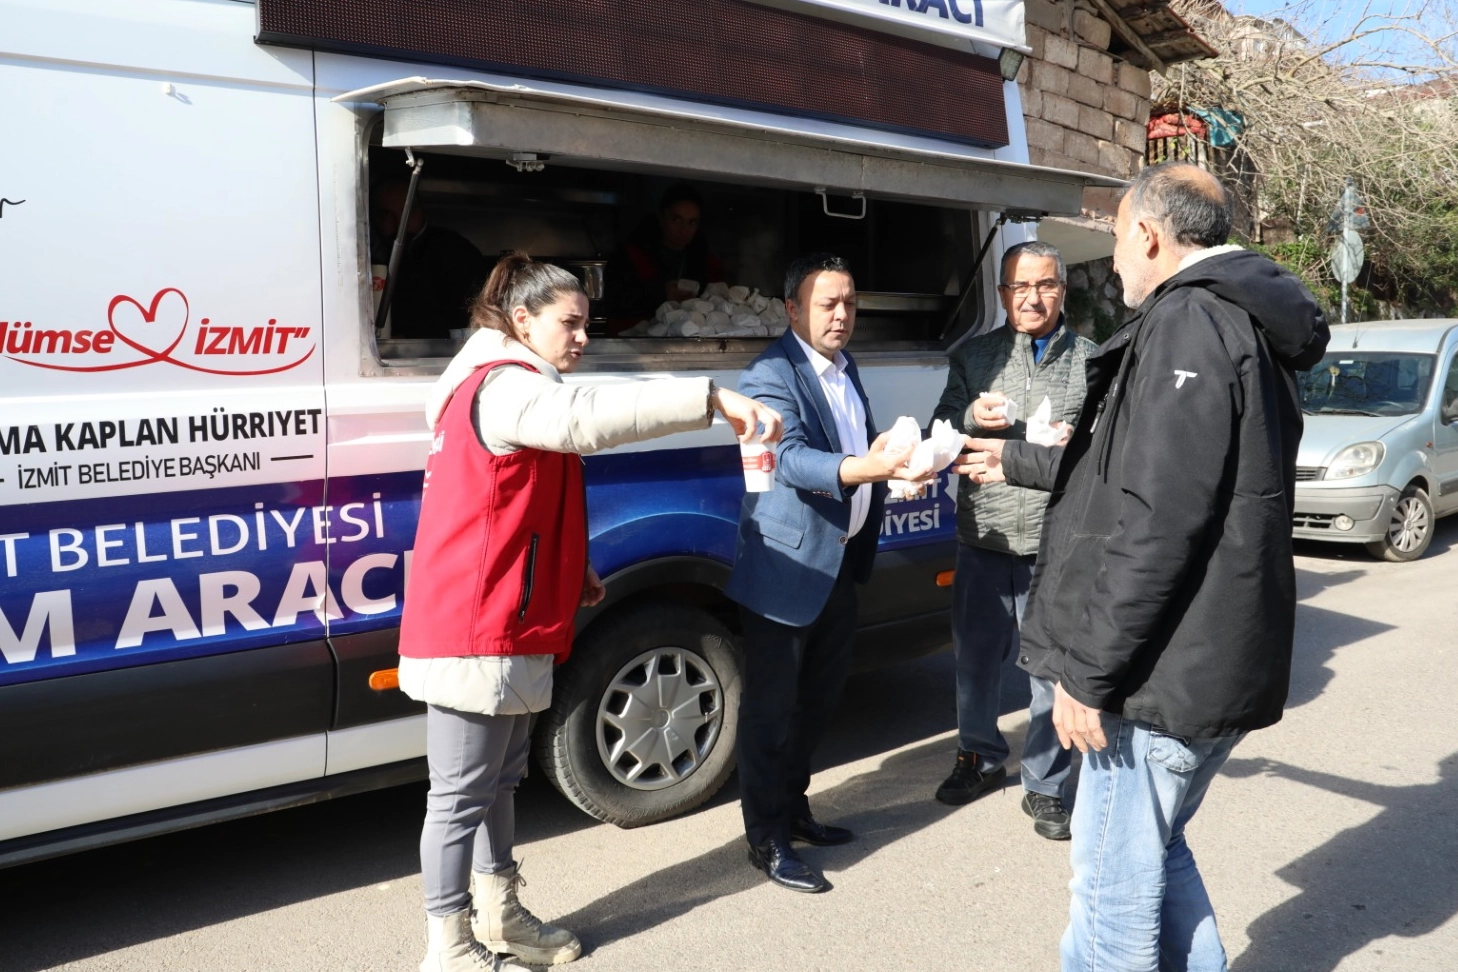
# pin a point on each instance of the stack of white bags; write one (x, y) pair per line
(722, 311)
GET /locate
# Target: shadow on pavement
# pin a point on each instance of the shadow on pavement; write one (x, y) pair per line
(1319, 633)
(1392, 875)
(88, 904)
(882, 806)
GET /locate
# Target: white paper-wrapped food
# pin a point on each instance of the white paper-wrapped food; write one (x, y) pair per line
(656, 329)
(745, 320)
(717, 289)
(717, 318)
(662, 312)
(932, 454)
(777, 310)
(758, 302)
(698, 304)
(689, 286)
(739, 294)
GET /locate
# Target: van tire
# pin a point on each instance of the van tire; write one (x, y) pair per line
(1409, 529)
(567, 743)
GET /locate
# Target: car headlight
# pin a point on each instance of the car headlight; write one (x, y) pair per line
(1355, 460)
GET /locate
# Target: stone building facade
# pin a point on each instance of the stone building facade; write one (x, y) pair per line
(1085, 90)
(1083, 108)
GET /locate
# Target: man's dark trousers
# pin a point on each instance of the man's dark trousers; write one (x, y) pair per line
(793, 678)
(989, 593)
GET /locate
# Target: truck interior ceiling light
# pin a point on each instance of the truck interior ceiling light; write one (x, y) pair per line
(527, 161)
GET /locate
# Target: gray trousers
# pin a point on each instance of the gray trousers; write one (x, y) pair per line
(989, 593)
(476, 761)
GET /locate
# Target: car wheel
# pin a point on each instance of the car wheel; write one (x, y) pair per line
(643, 719)
(1410, 529)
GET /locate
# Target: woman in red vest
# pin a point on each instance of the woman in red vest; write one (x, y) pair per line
(498, 573)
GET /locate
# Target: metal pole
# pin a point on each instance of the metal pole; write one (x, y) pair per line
(971, 278)
(1346, 225)
(416, 164)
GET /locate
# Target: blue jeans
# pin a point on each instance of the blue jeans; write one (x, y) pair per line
(1138, 901)
(989, 593)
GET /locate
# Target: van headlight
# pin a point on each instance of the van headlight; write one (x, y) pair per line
(1355, 460)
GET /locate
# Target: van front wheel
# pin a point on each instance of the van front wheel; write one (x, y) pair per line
(1410, 529)
(643, 717)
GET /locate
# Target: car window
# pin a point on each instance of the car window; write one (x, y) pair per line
(1367, 383)
(1450, 394)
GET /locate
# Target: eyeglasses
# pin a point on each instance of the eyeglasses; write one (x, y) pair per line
(1045, 288)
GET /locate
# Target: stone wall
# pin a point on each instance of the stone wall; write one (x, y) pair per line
(1087, 110)
(1095, 303)
(1084, 108)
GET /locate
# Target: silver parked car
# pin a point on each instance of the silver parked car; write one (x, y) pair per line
(1379, 457)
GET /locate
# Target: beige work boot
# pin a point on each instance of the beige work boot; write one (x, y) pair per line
(450, 946)
(506, 926)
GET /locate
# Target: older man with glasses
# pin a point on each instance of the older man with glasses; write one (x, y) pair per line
(998, 527)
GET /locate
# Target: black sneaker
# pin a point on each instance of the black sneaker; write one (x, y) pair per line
(1050, 817)
(967, 782)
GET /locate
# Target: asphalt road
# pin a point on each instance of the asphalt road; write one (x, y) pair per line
(1331, 841)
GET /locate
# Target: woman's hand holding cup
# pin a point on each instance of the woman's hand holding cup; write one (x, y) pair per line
(747, 416)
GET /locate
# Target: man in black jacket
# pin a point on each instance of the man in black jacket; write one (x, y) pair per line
(1164, 601)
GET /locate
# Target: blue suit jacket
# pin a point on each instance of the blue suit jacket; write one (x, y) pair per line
(792, 539)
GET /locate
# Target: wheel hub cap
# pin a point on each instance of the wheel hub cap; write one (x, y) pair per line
(659, 718)
(1409, 525)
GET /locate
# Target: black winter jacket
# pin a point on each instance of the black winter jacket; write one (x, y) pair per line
(1165, 589)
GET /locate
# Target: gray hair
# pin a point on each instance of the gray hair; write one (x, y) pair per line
(1191, 203)
(1034, 248)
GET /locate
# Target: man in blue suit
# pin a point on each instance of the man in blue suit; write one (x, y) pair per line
(803, 546)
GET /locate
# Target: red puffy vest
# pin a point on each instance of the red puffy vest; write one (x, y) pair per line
(501, 548)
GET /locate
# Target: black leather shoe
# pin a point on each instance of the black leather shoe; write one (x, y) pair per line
(1050, 817)
(967, 782)
(784, 867)
(811, 831)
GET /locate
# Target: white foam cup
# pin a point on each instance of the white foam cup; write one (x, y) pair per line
(759, 466)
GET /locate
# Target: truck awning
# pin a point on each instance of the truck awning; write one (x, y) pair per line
(629, 130)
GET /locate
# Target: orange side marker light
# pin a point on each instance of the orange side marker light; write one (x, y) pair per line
(944, 578)
(385, 678)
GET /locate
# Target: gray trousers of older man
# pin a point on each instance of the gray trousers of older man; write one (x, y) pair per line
(476, 762)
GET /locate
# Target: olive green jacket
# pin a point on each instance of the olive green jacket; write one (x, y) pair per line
(1009, 519)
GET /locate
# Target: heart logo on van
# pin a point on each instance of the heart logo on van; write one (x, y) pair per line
(154, 329)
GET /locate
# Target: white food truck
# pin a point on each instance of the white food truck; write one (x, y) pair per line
(211, 438)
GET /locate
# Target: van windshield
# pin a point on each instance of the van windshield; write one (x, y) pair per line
(1367, 383)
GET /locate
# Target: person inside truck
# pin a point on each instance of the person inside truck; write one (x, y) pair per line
(500, 568)
(440, 272)
(665, 250)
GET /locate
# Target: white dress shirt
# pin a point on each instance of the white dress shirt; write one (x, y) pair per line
(850, 421)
